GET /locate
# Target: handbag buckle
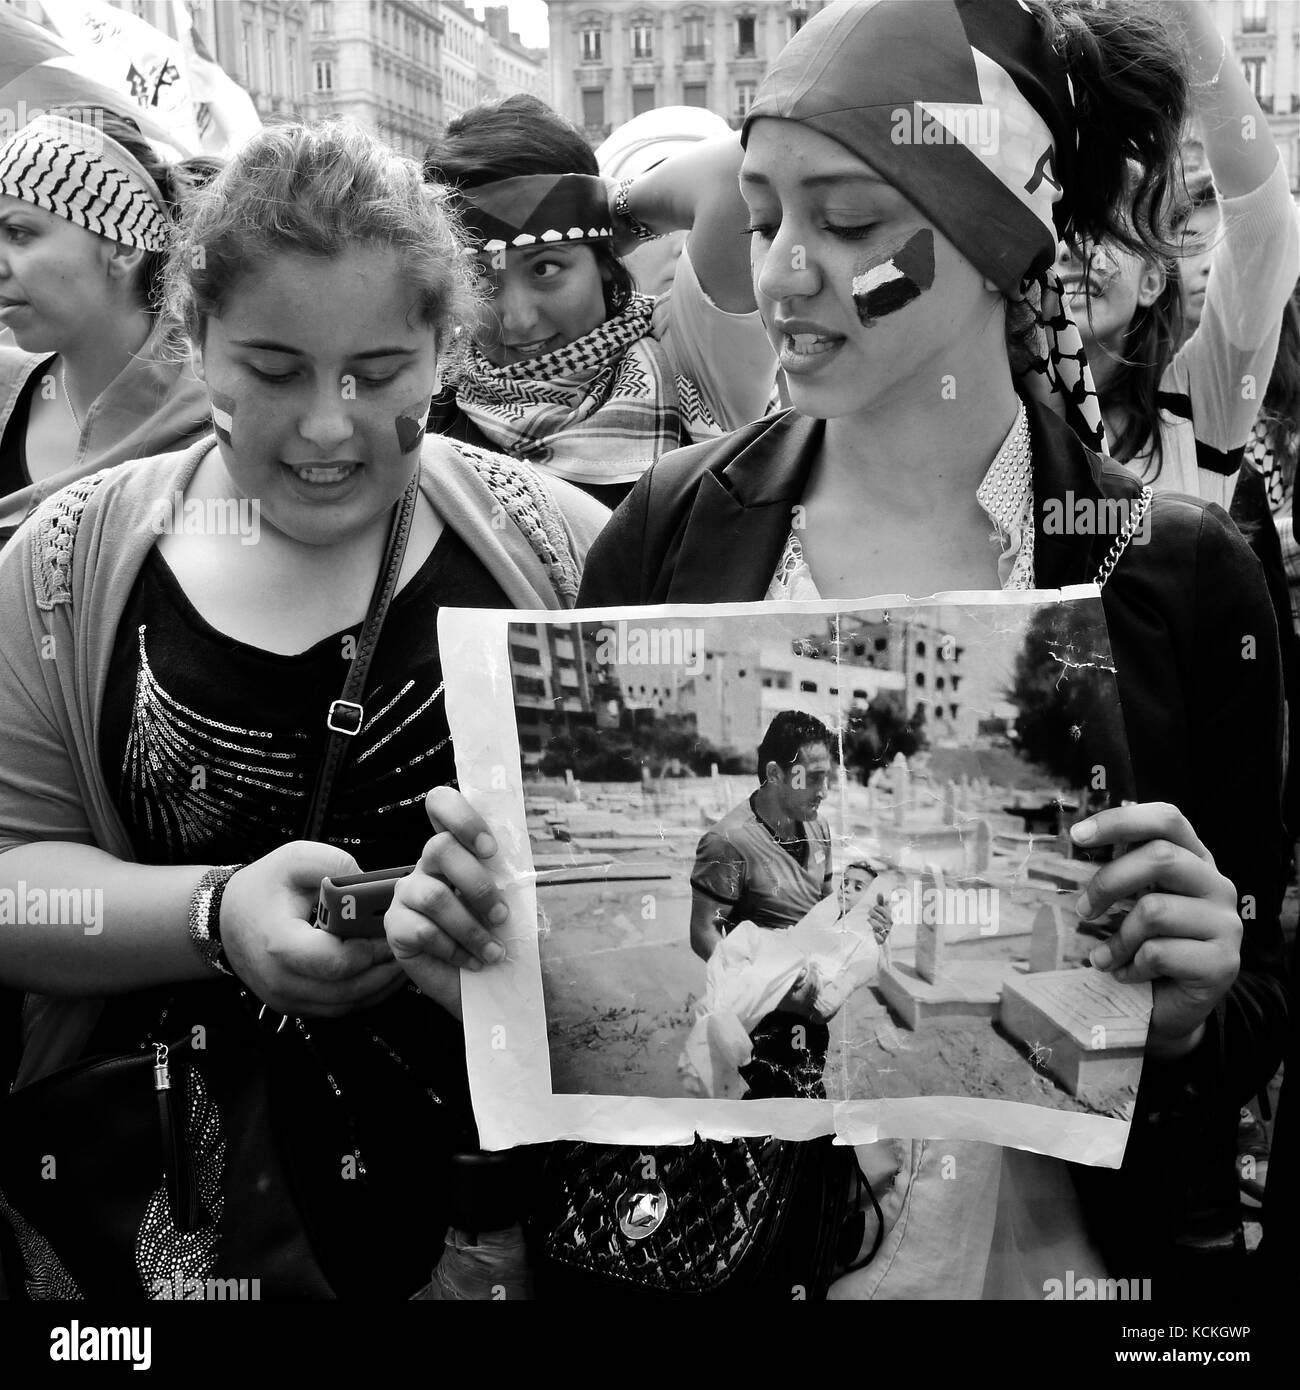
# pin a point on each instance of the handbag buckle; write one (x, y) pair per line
(642, 1211)
(354, 715)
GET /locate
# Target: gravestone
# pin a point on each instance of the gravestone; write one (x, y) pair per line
(978, 846)
(900, 785)
(929, 933)
(1084, 1026)
(1052, 930)
(950, 804)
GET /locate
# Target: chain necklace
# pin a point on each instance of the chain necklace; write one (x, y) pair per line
(67, 395)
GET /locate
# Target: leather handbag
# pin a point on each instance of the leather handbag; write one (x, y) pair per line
(744, 1218)
(165, 1171)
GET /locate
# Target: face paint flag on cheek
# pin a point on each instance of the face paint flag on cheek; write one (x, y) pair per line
(966, 108)
(223, 416)
(410, 427)
(887, 283)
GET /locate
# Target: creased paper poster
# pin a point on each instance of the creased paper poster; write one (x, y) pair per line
(797, 869)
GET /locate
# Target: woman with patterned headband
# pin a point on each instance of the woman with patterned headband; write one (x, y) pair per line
(570, 368)
(909, 170)
(85, 212)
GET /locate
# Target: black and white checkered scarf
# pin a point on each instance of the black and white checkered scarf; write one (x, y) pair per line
(598, 410)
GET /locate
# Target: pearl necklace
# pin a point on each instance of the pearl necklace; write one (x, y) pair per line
(1007, 495)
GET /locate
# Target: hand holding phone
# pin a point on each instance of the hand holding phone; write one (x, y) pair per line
(354, 904)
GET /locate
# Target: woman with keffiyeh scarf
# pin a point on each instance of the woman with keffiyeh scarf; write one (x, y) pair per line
(571, 369)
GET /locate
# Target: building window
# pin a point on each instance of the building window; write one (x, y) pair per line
(643, 40)
(695, 94)
(1254, 16)
(591, 45)
(920, 649)
(808, 687)
(593, 107)
(269, 75)
(920, 679)
(324, 75)
(693, 38)
(745, 47)
(320, 20)
(246, 52)
(745, 94)
(293, 66)
(1253, 71)
(643, 100)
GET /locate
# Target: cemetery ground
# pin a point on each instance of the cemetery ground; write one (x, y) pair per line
(620, 980)
(621, 992)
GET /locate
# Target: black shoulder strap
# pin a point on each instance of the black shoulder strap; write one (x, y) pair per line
(346, 714)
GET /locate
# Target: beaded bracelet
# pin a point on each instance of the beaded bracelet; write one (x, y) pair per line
(623, 214)
(205, 916)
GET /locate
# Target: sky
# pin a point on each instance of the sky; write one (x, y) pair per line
(527, 19)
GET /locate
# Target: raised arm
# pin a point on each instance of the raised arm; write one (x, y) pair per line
(699, 190)
(1224, 366)
(1238, 142)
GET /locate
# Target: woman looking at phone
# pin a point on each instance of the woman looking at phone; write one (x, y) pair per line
(167, 756)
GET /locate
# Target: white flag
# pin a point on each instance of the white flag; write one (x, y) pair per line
(132, 57)
(226, 115)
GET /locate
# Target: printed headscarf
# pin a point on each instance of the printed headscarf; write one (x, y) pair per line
(81, 174)
(536, 210)
(966, 109)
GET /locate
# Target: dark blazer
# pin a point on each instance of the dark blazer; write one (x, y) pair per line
(1195, 644)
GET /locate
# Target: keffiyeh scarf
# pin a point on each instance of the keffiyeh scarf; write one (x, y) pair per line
(598, 410)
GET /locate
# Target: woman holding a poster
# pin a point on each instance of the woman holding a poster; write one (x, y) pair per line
(902, 259)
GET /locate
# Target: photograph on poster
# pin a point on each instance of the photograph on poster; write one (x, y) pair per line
(824, 855)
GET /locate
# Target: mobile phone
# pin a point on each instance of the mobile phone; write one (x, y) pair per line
(354, 904)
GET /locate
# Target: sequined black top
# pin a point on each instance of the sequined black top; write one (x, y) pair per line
(213, 746)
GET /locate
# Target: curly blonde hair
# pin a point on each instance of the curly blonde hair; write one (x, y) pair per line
(318, 190)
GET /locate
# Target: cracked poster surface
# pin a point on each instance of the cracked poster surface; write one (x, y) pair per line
(797, 869)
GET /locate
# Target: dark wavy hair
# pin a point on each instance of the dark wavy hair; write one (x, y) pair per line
(788, 732)
(1131, 91)
(516, 136)
(1132, 394)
